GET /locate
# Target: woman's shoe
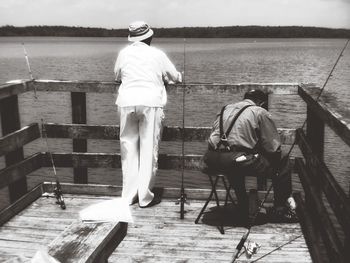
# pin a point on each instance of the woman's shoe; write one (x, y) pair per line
(156, 200)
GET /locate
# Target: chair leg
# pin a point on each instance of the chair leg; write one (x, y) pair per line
(204, 207)
(213, 192)
(228, 193)
(214, 189)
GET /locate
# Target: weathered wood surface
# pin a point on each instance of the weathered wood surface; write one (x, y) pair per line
(21, 86)
(320, 216)
(112, 160)
(315, 129)
(19, 138)
(9, 212)
(78, 100)
(94, 160)
(312, 235)
(327, 110)
(157, 235)
(111, 87)
(184, 241)
(170, 193)
(19, 170)
(85, 243)
(111, 132)
(323, 178)
(15, 88)
(10, 122)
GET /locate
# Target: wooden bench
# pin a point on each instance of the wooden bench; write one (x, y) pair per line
(87, 242)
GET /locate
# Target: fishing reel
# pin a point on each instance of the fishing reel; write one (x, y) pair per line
(182, 200)
(57, 193)
(59, 196)
(251, 249)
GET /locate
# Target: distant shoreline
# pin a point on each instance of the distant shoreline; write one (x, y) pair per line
(183, 32)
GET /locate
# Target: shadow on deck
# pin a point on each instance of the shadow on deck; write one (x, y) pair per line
(157, 234)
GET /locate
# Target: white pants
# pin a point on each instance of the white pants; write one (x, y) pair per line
(140, 131)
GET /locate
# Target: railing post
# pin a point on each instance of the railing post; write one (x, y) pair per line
(10, 122)
(315, 133)
(315, 136)
(79, 145)
(262, 181)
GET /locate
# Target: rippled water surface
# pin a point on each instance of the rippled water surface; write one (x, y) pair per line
(204, 61)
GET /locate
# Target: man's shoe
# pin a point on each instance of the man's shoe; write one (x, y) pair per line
(282, 215)
(156, 200)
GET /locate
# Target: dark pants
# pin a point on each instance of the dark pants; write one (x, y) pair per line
(260, 166)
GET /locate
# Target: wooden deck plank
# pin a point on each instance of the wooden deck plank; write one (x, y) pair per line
(182, 240)
(157, 235)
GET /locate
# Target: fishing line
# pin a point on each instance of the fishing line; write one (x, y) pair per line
(322, 89)
(183, 196)
(29, 68)
(57, 189)
(251, 222)
(277, 248)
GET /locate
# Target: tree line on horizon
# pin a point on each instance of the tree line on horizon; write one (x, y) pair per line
(183, 32)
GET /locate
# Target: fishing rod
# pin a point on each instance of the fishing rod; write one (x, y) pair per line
(251, 222)
(277, 248)
(29, 68)
(183, 197)
(57, 189)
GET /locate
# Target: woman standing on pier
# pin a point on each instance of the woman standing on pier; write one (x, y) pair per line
(142, 70)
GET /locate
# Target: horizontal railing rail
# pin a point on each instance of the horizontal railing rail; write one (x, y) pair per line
(330, 216)
(15, 137)
(111, 132)
(22, 86)
(19, 138)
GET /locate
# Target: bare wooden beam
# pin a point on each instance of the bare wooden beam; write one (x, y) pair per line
(111, 132)
(15, 88)
(95, 160)
(16, 140)
(312, 236)
(87, 243)
(112, 160)
(88, 160)
(19, 170)
(327, 109)
(79, 145)
(113, 190)
(110, 87)
(334, 193)
(82, 131)
(10, 122)
(76, 86)
(320, 215)
(9, 212)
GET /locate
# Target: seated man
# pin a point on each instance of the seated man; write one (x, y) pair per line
(244, 142)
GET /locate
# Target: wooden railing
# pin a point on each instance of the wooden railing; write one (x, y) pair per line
(14, 175)
(314, 175)
(317, 180)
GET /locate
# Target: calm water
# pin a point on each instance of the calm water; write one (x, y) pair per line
(206, 61)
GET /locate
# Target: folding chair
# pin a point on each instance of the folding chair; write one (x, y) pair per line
(214, 179)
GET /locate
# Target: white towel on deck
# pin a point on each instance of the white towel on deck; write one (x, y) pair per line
(41, 256)
(115, 210)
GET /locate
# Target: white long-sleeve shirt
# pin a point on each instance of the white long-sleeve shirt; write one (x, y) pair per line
(142, 70)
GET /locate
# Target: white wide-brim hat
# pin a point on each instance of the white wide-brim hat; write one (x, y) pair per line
(139, 31)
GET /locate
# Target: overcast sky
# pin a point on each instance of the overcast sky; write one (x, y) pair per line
(180, 13)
